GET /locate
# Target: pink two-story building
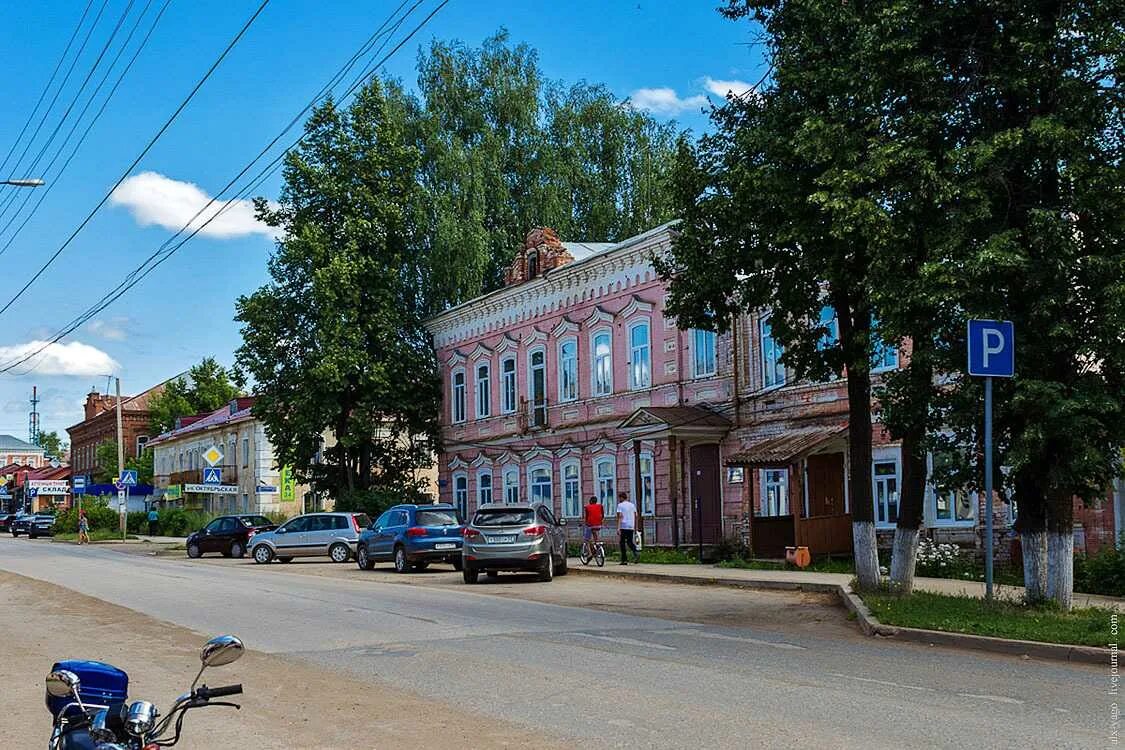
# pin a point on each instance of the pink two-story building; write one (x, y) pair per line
(571, 382)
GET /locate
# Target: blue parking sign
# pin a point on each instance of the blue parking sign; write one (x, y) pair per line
(992, 348)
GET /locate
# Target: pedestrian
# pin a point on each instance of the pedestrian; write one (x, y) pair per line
(627, 527)
(83, 528)
(153, 517)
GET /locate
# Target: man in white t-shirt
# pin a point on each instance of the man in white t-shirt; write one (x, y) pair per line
(627, 526)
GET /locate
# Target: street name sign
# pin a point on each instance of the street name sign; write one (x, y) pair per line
(212, 489)
(992, 348)
(79, 484)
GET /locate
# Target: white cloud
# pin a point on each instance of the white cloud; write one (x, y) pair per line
(722, 88)
(154, 199)
(665, 101)
(74, 358)
(113, 329)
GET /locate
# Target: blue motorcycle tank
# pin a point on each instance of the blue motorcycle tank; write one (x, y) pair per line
(100, 684)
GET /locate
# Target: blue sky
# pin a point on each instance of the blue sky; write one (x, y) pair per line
(668, 56)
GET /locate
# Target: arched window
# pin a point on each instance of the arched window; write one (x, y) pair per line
(461, 493)
(568, 370)
(601, 344)
(508, 384)
(511, 485)
(457, 395)
(640, 356)
(539, 484)
(484, 391)
(484, 487)
(571, 489)
(605, 471)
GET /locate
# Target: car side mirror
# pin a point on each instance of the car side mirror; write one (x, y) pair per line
(281, 530)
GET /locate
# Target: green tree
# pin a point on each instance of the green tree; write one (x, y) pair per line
(141, 464)
(52, 444)
(335, 342)
(105, 462)
(206, 387)
(776, 215)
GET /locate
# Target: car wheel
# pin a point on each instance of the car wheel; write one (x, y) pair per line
(32, 536)
(15, 533)
(547, 570)
(362, 560)
(262, 554)
(236, 550)
(401, 564)
(458, 563)
(469, 574)
(339, 553)
(285, 559)
(193, 551)
(562, 570)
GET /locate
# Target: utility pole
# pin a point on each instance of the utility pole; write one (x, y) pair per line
(33, 418)
(121, 458)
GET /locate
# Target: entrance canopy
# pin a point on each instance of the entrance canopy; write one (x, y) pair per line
(677, 421)
(780, 450)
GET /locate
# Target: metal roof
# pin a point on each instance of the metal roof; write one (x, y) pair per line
(14, 444)
(780, 449)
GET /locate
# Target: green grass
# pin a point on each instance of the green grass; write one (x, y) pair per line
(1000, 619)
(653, 555)
(97, 535)
(823, 565)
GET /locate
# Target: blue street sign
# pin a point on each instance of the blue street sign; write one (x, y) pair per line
(212, 475)
(79, 482)
(128, 477)
(992, 348)
(32, 492)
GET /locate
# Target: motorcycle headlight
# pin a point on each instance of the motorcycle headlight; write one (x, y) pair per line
(141, 718)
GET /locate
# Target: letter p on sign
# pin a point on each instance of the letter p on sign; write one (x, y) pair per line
(992, 348)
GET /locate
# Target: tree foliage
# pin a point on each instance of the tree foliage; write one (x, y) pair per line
(105, 462)
(205, 388)
(52, 444)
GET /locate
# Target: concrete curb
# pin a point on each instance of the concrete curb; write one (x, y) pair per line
(871, 626)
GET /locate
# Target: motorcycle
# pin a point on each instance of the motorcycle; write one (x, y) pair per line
(88, 702)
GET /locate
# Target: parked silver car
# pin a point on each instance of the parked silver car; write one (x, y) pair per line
(514, 537)
(332, 534)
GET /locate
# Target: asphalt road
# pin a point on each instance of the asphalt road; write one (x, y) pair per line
(600, 677)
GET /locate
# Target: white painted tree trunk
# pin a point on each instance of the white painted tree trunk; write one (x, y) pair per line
(903, 560)
(1060, 568)
(866, 554)
(1034, 545)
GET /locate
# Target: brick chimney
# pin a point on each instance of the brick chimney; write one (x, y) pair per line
(96, 403)
(542, 251)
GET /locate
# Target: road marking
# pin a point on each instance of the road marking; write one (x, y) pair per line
(886, 683)
(628, 641)
(735, 638)
(996, 698)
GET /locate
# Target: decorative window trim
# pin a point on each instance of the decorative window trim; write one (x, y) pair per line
(457, 463)
(455, 359)
(610, 503)
(481, 460)
(536, 452)
(505, 472)
(565, 326)
(636, 305)
(597, 317)
(568, 449)
(480, 351)
(534, 336)
(563, 466)
(487, 411)
(485, 472)
(594, 392)
(695, 373)
(634, 324)
(507, 343)
(561, 360)
(515, 405)
(462, 504)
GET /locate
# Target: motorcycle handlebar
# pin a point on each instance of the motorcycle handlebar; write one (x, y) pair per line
(207, 693)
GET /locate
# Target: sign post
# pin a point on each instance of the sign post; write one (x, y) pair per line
(992, 354)
(127, 479)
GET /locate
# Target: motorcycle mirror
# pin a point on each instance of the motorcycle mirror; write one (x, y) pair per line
(221, 650)
(63, 683)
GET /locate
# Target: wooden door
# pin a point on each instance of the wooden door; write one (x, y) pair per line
(706, 494)
(827, 529)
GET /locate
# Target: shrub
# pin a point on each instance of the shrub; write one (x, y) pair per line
(731, 548)
(1100, 573)
(98, 513)
(943, 561)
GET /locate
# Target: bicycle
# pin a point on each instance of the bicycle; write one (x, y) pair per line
(592, 551)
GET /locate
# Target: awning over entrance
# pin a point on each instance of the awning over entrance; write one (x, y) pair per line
(783, 448)
(680, 421)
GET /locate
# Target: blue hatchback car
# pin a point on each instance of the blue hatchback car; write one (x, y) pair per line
(412, 537)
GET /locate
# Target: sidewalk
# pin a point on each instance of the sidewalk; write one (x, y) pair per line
(798, 580)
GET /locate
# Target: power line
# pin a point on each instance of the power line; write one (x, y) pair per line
(46, 88)
(42, 194)
(148, 147)
(165, 251)
(55, 98)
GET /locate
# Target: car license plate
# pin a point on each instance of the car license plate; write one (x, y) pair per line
(507, 539)
(445, 546)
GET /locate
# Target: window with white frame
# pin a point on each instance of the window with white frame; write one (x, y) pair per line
(511, 485)
(951, 506)
(245, 451)
(537, 386)
(572, 489)
(773, 372)
(883, 356)
(647, 485)
(605, 471)
(568, 370)
(539, 484)
(461, 493)
(457, 395)
(775, 492)
(484, 390)
(640, 356)
(703, 360)
(602, 346)
(885, 484)
(484, 487)
(508, 384)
